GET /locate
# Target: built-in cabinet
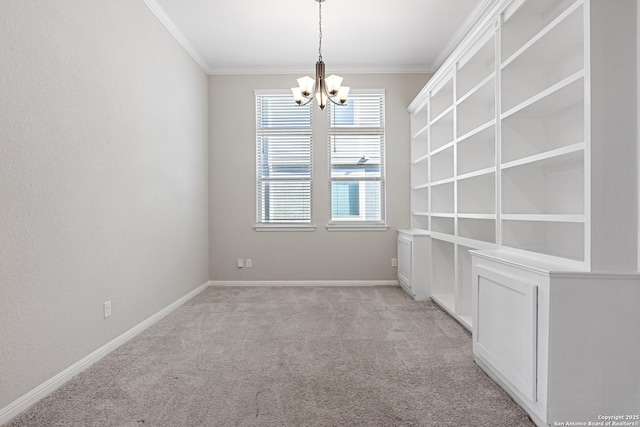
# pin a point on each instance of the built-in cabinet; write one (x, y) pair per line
(413, 270)
(564, 343)
(524, 175)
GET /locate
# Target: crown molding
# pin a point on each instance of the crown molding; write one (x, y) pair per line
(162, 16)
(478, 13)
(298, 70)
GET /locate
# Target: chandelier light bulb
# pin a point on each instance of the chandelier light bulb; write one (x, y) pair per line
(333, 84)
(306, 85)
(343, 93)
(297, 95)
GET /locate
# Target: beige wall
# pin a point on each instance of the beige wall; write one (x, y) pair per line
(103, 179)
(318, 255)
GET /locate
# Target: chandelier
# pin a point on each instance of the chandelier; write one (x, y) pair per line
(321, 88)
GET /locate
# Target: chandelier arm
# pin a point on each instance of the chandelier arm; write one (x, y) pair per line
(309, 100)
(337, 103)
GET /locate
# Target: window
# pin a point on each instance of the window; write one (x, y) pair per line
(283, 160)
(356, 151)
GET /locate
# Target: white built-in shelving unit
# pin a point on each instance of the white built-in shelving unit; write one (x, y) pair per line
(498, 144)
(524, 159)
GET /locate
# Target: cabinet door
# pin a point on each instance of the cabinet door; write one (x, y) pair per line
(505, 327)
(404, 262)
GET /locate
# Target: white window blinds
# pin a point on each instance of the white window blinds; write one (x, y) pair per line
(283, 160)
(356, 152)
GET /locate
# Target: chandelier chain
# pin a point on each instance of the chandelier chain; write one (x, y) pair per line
(320, 32)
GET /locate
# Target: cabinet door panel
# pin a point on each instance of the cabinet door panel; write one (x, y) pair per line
(404, 262)
(505, 332)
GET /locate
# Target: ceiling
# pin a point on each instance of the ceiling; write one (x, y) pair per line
(281, 36)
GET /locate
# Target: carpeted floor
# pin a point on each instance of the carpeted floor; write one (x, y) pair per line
(287, 357)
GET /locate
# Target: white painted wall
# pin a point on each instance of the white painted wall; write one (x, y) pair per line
(317, 255)
(103, 179)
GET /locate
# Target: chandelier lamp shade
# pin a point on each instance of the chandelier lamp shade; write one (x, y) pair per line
(323, 89)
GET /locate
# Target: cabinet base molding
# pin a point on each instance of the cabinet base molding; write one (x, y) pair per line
(536, 420)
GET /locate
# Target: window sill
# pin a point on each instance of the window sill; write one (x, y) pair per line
(357, 227)
(284, 227)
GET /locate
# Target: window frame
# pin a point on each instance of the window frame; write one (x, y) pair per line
(359, 225)
(261, 225)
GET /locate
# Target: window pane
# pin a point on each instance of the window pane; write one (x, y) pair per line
(356, 201)
(285, 156)
(345, 199)
(361, 110)
(355, 155)
(279, 111)
(285, 201)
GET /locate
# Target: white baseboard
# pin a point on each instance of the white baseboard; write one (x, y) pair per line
(22, 403)
(298, 283)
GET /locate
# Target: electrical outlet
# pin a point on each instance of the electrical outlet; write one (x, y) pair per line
(394, 262)
(107, 309)
(239, 263)
(248, 263)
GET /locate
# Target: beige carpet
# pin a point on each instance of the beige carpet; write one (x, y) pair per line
(287, 357)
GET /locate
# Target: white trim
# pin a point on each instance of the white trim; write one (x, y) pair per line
(303, 283)
(24, 402)
(566, 83)
(304, 70)
(477, 88)
(472, 20)
(162, 16)
(568, 149)
(480, 19)
(534, 262)
(284, 227)
(543, 217)
(272, 92)
(414, 232)
(361, 91)
(357, 227)
(588, 275)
